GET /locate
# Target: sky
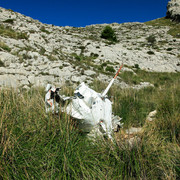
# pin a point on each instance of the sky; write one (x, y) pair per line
(80, 13)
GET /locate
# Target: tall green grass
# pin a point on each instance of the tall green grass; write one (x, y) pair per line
(35, 145)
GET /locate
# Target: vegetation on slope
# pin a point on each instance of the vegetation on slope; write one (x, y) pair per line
(39, 146)
(109, 34)
(174, 26)
(7, 31)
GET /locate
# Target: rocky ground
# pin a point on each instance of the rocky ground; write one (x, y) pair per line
(33, 53)
(173, 10)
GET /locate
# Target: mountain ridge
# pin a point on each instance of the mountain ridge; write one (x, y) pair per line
(33, 53)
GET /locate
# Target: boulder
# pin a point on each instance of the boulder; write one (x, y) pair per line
(75, 79)
(7, 58)
(133, 130)
(89, 72)
(36, 38)
(55, 71)
(40, 80)
(151, 115)
(79, 79)
(8, 81)
(142, 85)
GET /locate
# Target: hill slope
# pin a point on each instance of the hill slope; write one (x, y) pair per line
(32, 53)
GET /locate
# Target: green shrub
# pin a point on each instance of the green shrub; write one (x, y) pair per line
(4, 46)
(93, 55)
(9, 32)
(110, 69)
(82, 48)
(43, 29)
(150, 52)
(60, 67)
(136, 66)
(22, 36)
(109, 34)
(151, 39)
(175, 31)
(44, 73)
(10, 21)
(32, 31)
(79, 58)
(104, 64)
(42, 51)
(10, 10)
(51, 57)
(169, 49)
(100, 68)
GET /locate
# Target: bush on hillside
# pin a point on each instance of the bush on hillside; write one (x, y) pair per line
(109, 34)
(151, 39)
(10, 21)
(150, 52)
(7, 31)
(110, 69)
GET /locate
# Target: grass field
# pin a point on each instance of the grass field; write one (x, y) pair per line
(34, 145)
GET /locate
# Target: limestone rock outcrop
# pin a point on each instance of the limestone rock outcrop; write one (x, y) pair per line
(33, 53)
(173, 10)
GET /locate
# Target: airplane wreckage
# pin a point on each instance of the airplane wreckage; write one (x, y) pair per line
(91, 109)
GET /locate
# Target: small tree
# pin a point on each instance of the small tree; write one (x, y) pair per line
(151, 39)
(109, 34)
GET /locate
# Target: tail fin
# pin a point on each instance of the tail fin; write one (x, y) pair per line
(111, 82)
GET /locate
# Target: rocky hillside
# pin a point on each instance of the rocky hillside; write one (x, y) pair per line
(173, 10)
(33, 53)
